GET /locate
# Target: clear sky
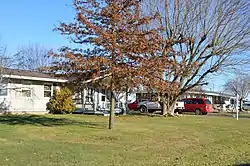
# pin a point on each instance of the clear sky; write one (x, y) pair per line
(25, 22)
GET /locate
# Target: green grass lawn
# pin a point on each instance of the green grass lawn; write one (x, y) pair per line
(136, 140)
(231, 114)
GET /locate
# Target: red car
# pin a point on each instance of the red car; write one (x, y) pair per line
(134, 106)
(200, 106)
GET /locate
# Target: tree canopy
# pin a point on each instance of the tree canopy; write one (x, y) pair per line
(167, 46)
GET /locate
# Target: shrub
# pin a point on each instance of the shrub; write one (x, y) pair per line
(61, 102)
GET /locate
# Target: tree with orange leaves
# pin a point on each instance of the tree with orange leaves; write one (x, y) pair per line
(121, 52)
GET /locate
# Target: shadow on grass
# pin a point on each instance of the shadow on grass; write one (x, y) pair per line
(37, 120)
(135, 113)
(242, 165)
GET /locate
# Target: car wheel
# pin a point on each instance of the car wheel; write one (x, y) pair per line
(204, 113)
(151, 111)
(197, 112)
(143, 109)
(177, 111)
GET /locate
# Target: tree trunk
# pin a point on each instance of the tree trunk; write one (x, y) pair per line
(171, 107)
(168, 106)
(83, 100)
(241, 104)
(112, 111)
(164, 110)
(126, 103)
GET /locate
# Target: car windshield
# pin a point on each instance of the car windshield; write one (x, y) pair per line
(208, 101)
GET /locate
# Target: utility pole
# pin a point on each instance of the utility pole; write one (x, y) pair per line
(237, 105)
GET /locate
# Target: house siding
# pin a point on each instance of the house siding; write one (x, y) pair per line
(14, 102)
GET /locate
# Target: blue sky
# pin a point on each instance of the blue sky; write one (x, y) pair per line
(25, 22)
(32, 21)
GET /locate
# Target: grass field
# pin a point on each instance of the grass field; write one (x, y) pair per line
(231, 114)
(136, 140)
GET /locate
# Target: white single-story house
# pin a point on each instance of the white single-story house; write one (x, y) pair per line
(23, 91)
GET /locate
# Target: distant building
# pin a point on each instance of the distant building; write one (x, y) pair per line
(220, 101)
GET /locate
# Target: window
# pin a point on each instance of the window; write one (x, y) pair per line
(219, 100)
(142, 100)
(3, 92)
(232, 101)
(47, 90)
(89, 97)
(200, 101)
(77, 98)
(194, 101)
(103, 98)
(188, 102)
(208, 101)
(26, 92)
(90, 92)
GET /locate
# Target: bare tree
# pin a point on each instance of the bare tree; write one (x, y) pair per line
(33, 57)
(6, 62)
(240, 86)
(201, 37)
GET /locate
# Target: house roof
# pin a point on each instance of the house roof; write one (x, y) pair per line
(212, 93)
(31, 75)
(26, 73)
(200, 92)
